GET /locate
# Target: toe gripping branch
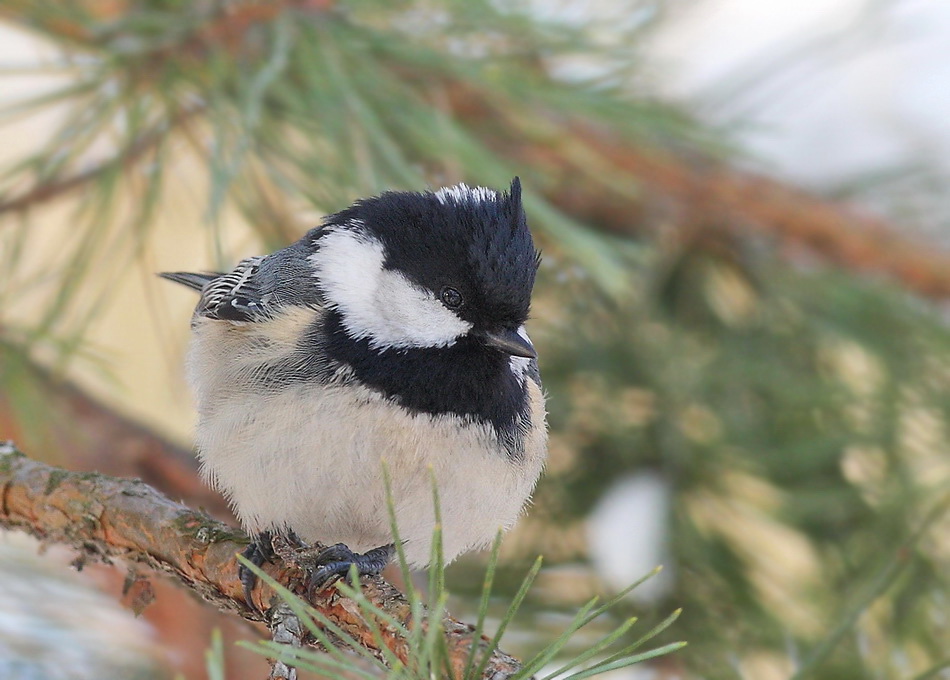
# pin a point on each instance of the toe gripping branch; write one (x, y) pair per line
(258, 551)
(337, 560)
(321, 564)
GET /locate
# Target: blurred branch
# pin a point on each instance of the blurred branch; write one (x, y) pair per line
(627, 188)
(122, 160)
(716, 195)
(107, 517)
(589, 165)
(224, 23)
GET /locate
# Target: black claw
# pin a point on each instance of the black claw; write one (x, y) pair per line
(258, 551)
(337, 560)
(338, 552)
(294, 539)
(324, 573)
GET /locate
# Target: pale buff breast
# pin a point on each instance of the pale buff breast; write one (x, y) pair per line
(308, 457)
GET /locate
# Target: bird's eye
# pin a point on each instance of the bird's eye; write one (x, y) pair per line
(451, 298)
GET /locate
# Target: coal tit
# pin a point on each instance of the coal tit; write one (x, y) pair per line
(394, 331)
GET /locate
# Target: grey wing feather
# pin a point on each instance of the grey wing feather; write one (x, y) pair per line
(193, 280)
(232, 296)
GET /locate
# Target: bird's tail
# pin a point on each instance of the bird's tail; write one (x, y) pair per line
(191, 279)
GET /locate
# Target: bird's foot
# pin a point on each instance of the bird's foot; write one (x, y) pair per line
(265, 547)
(321, 563)
(325, 563)
(258, 551)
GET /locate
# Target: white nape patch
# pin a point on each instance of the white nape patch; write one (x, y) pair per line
(519, 365)
(380, 304)
(462, 193)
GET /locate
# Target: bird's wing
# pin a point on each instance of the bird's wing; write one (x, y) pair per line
(233, 296)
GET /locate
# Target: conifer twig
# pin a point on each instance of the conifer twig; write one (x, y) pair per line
(692, 192)
(107, 517)
(651, 186)
(123, 159)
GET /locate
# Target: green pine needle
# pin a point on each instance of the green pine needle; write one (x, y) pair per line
(428, 647)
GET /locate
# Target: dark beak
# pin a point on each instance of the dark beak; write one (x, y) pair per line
(510, 342)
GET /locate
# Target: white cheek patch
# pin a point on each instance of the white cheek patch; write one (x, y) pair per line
(379, 304)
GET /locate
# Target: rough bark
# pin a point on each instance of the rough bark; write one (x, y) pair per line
(107, 517)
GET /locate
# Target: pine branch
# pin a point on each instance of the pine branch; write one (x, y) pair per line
(629, 188)
(107, 517)
(123, 160)
(588, 169)
(224, 23)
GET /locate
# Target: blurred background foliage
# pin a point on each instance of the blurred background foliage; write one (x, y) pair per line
(711, 340)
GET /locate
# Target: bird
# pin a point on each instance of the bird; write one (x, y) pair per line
(391, 335)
